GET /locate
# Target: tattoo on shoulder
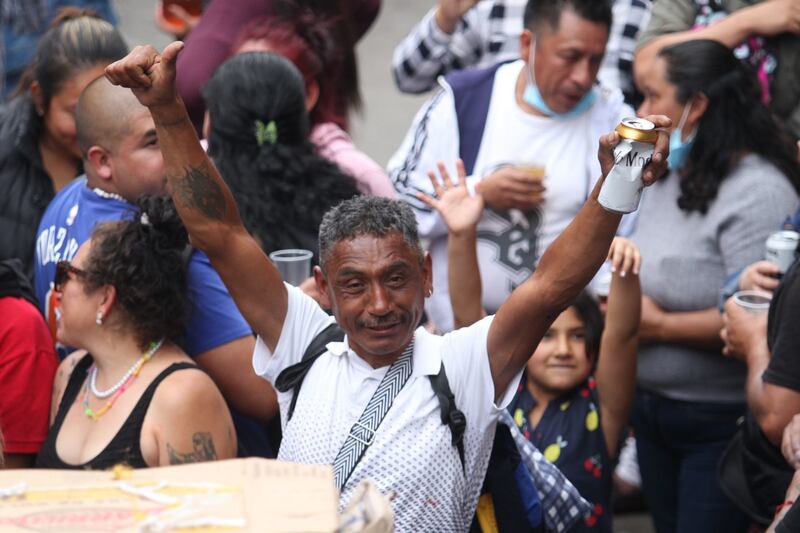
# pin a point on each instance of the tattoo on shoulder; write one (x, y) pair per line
(202, 450)
(198, 190)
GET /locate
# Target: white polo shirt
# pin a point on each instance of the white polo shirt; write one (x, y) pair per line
(412, 454)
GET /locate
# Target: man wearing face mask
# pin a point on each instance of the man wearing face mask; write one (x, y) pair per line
(524, 130)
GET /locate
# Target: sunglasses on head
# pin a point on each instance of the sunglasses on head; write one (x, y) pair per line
(63, 271)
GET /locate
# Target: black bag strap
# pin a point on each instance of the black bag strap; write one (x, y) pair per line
(292, 376)
(451, 415)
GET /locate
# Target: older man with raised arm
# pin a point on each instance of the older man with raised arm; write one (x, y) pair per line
(367, 405)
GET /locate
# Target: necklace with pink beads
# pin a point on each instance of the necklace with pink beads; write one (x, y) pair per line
(120, 387)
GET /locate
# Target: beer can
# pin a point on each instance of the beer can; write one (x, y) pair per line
(781, 248)
(623, 186)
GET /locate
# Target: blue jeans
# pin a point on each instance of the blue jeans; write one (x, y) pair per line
(679, 445)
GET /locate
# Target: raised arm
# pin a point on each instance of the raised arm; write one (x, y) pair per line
(766, 19)
(427, 51)
(461, 213)
(564, 270)
(616, 366)
(202, 198)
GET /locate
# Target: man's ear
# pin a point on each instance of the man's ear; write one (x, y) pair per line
(325, 298)
(427, 274)
(525, 39)
(99, 160)
(37, 97)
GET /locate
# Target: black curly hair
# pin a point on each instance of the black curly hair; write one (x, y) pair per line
(143, 258)
(281, 185)
(735, 123)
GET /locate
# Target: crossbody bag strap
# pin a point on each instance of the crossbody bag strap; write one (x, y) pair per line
(362, 434)
(450, 413)
(291, 378)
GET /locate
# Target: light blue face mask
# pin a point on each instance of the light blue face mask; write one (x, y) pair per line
(533, 97)
(679, 149)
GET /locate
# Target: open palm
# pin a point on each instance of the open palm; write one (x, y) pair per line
(460, 210)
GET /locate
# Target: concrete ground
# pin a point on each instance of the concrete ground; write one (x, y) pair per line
(386, 115)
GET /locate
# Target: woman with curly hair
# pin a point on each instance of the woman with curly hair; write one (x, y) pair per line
(733, 179)
(131, 395)
(258, 139)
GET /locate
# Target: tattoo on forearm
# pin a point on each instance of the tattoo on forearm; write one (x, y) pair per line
(176, 121)
(198, 190)
(203, 450)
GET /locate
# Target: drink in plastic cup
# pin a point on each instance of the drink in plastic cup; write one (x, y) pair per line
(293, 264)
(533, 170)
(755, 302)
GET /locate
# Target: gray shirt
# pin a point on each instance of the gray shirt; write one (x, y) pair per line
(685, 260)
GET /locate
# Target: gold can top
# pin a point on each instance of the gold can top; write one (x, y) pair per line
(637, 129)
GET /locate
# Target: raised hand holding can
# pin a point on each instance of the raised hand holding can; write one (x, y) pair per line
(623, 186)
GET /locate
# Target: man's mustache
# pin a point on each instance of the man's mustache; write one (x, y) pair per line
(386, 320)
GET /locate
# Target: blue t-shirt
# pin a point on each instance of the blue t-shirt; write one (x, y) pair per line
(213, 318)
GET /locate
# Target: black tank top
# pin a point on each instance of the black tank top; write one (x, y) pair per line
(124, 448)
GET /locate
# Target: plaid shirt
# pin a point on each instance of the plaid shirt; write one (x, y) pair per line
(489, 33)
(563, 506)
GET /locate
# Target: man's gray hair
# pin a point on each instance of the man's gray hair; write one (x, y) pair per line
(367, 215)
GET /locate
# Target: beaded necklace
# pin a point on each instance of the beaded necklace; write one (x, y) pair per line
(109, 195)
(118, 388)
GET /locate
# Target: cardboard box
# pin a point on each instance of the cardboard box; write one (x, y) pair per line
(236, 495)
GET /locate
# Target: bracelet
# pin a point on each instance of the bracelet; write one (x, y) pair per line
(779, 508)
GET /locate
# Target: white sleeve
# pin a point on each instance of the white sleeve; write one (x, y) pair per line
(304, 320)
(466, 360)
(433, 137)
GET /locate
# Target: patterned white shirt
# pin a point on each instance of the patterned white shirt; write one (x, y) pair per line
(412, 455)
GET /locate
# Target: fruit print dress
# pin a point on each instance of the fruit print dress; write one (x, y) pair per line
(570, 436)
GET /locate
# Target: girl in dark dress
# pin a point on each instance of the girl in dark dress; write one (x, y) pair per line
(577, 389)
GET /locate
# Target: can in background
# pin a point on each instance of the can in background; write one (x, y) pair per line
(781, 248)
(623, 186)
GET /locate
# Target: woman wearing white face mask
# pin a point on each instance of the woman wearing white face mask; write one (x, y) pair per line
(733, 178)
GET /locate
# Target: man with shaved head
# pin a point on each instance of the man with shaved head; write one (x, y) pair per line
(122, 161)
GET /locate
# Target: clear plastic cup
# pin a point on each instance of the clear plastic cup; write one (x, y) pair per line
(755, 302)
(293, 264)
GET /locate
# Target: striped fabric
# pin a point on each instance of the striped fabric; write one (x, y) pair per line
(363, 431)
